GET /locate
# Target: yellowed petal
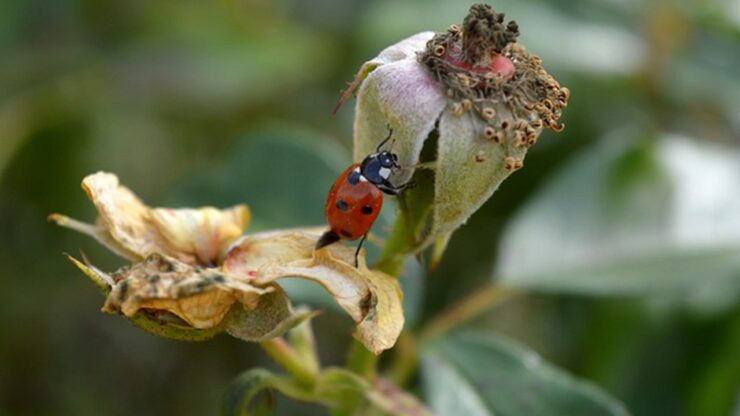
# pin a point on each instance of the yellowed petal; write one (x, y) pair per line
(200, 297)
(133, 230)
(123, 215)
(204, 232)
(371, 298)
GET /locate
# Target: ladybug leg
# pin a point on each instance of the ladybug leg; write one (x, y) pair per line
(391, 189)
(357, 252)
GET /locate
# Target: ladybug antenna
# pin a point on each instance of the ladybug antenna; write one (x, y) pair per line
(390, 134)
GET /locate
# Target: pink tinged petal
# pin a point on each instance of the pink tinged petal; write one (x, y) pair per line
(405, 49)
(404, 96)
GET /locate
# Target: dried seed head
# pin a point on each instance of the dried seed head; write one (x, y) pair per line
(512, 164)
(489, 132)
(466, 104)
(518, 140)
(530, 132)
(557, 128)
(565, 93)
(488, 113)
(498, 137)
(481, 61)
(484, 34)
(457, 109)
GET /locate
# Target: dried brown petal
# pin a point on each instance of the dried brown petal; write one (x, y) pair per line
(159, 285)
(175, 300)
(371, 298)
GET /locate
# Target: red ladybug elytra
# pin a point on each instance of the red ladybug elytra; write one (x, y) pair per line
(356, 198)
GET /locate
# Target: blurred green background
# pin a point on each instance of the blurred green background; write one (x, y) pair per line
(624, 229)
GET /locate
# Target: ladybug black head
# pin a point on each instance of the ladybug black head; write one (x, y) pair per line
(377, 167)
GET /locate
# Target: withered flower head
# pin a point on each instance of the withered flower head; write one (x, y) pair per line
(477, 90)
(194, 275)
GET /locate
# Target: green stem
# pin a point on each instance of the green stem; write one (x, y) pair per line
(280, 351)
(361, 361)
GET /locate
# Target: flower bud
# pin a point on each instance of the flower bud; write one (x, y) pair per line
(484, 96)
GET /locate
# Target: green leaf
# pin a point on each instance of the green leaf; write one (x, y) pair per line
(479, 374)
(632, 217)
(249, 394)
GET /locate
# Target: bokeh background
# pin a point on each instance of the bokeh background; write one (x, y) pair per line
(624, 229)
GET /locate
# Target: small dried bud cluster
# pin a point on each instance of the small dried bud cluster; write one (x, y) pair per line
(485, 71)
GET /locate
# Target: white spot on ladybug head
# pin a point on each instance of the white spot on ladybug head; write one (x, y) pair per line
(385, 173)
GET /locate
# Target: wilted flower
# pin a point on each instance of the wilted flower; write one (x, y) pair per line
(193, 276)
(479, 92)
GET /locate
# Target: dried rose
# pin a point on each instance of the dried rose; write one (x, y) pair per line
(477, 91)
(192, 278)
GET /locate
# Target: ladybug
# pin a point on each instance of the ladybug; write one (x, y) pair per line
(356, 198)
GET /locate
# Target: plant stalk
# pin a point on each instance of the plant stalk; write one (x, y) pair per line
(280, 351)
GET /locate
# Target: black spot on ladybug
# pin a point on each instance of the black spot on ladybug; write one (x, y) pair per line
(367, 210)
(346, 233)
(354, 177)
(341, 205)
